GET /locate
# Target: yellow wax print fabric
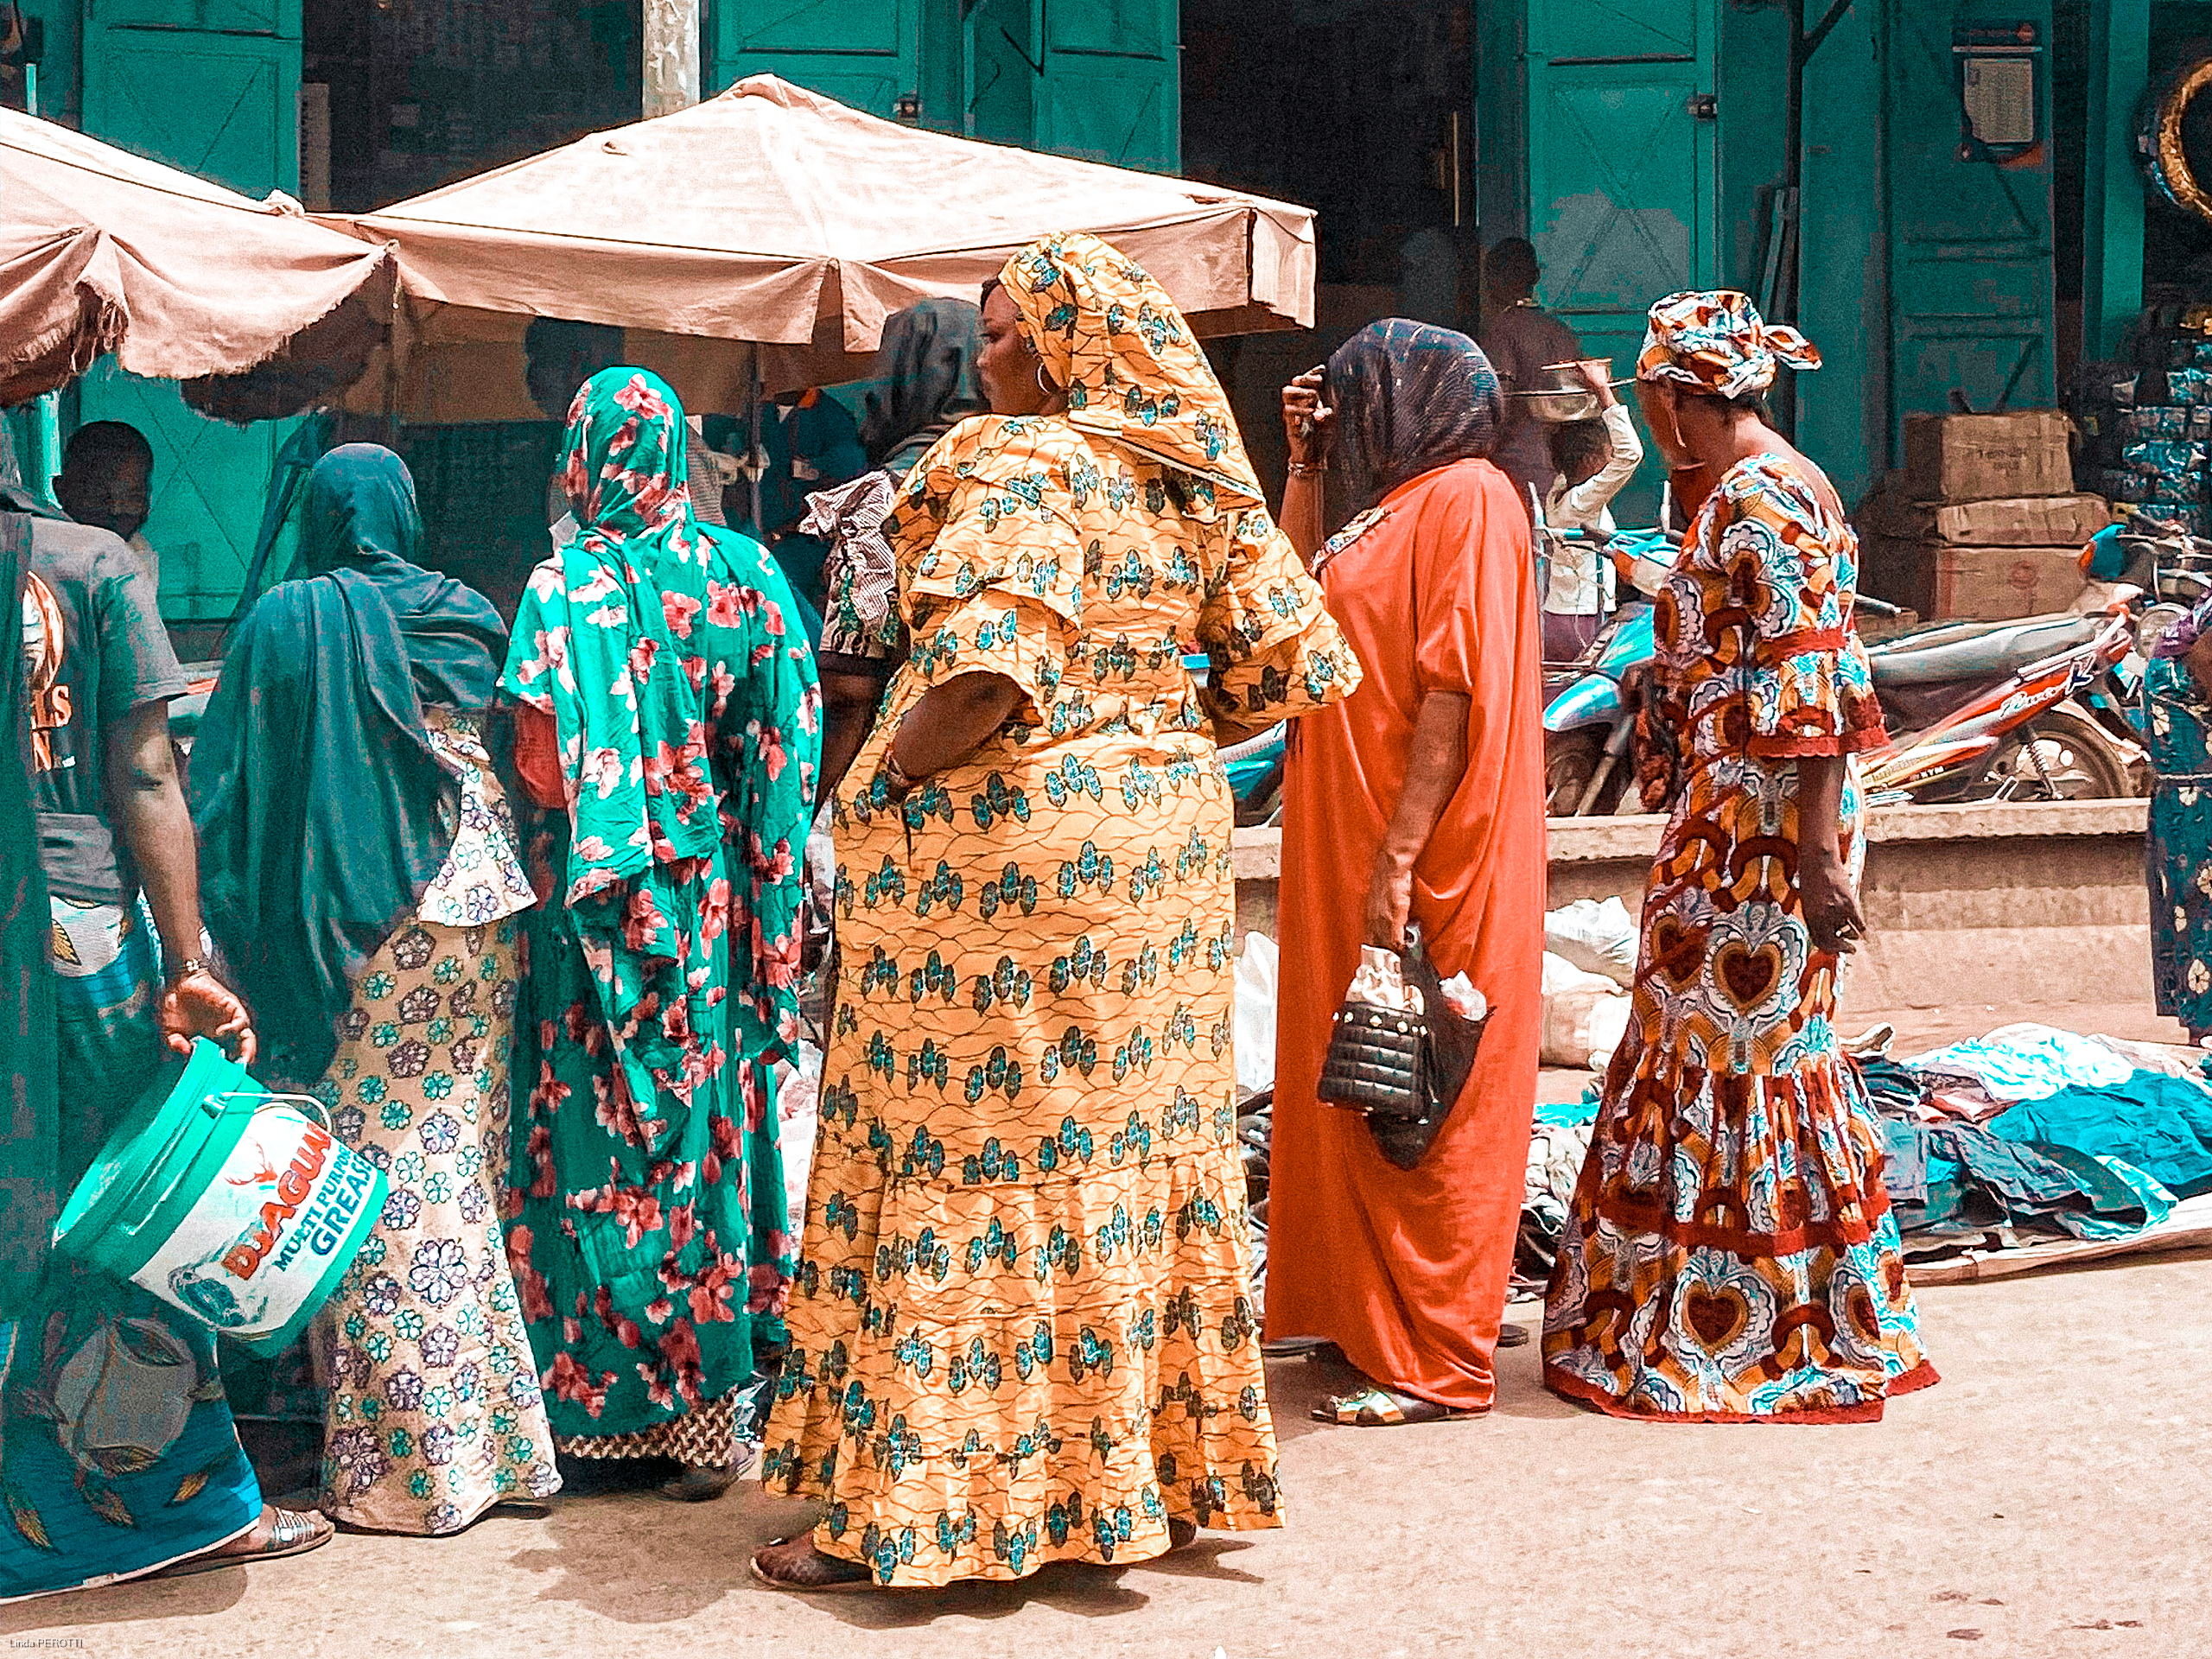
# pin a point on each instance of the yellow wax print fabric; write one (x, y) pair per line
(1022, 1328)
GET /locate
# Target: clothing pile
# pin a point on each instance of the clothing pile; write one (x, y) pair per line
(2030, 1133)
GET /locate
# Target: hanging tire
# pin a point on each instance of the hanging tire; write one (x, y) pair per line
(1571, 760)
(2184, 180)
(2062, 755)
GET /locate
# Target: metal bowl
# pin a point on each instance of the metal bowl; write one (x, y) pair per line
(1560, 405)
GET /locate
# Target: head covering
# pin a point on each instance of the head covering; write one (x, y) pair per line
(1715, 342)
(1134, 374)
(1410, 397)
(641, 569)
(927, 364)
(322, 811)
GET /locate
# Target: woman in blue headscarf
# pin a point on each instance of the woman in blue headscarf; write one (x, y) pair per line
(363, 876)
(2177, 710)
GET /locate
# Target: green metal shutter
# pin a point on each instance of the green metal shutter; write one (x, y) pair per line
(864, 52)
(210, 86)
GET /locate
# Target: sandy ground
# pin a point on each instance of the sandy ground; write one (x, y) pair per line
(2048, 1497)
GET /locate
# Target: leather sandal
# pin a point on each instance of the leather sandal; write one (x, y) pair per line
(1373, 1407)
(291, 1532)
(817, 1572)
(701, 1485)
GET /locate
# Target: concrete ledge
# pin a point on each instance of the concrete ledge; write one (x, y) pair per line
(1985, 903)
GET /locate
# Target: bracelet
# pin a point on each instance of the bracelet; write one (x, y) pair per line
(187, 968)
(1308, 468)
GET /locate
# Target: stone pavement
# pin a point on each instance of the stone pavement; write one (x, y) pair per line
(2048, 1498)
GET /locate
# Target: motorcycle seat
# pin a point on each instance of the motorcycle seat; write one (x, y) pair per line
(1977, 650)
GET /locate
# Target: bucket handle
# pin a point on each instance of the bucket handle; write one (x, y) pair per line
(308, 1104)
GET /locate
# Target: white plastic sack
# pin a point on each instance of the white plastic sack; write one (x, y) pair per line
(1257, 973)
(798, 1098)
(1585, 1015)
(1598, 938)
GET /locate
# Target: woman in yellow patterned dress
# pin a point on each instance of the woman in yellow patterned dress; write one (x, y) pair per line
(1022, 1329)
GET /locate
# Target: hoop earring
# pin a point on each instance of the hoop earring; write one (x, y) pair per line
(1043, 384)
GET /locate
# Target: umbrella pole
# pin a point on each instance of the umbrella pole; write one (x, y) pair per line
(755, 462)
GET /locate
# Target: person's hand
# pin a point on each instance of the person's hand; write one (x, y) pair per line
(1389, 908)
(197, 1004)
(1597, 374)
(1832, 913)
(1309, 424)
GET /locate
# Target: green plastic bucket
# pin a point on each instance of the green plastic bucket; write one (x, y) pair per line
(235, 1205)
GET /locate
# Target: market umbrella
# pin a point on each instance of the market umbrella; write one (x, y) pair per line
(102, 250)
(771, 229)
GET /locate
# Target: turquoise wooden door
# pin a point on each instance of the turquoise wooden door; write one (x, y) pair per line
(1110, 82)
(864, 52)
(1970, 228)
(210, 86)
(1621, 170)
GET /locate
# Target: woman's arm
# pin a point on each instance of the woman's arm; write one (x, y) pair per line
(1832, 913)
(850, 697)
(1437, 764)
(1309, 425)
(147, 806)
(951, 721)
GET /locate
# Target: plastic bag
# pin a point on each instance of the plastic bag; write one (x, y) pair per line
(1598, 938)
(1585, 1015)
(1257, 973)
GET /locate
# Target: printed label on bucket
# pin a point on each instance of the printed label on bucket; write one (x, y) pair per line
(258, 1243)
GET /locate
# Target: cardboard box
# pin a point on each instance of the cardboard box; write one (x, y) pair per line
(2009, 521)
(1946, 583)
(1984, 457)
(1998, 583)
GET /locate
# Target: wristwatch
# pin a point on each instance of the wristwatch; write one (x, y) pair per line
(186, 969)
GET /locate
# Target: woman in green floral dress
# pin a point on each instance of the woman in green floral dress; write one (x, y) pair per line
(668, 718)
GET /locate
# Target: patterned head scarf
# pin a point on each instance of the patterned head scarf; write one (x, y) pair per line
(927, 364)
(1109, 334)
(1410, 397)
(1715, 342)
(632, 734)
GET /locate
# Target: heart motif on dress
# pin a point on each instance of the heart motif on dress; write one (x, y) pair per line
(1677, 949)
(1747, 972)
(1715, 1319)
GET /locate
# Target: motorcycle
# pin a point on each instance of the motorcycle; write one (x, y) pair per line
(1983, 710)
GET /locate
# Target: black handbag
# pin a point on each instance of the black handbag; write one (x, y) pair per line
(1402, 1071)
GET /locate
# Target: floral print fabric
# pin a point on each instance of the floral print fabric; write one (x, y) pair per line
(1022, 1329)
(2180, 843)
(434, 1412)
(482, 878)
(646, 1199)
(1730, 1253)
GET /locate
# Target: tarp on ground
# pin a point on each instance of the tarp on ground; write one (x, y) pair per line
(772, 215)
(102, 250)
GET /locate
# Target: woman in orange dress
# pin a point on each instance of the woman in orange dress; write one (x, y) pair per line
(1418, 798)
(1730, 1256)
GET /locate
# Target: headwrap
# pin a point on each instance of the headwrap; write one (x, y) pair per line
(322, 811)
(1410, 397)
(1715, 342)
(927, 365)
(1108, 333)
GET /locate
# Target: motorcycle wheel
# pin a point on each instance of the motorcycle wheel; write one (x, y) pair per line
(2060, 755)
(1571, 760)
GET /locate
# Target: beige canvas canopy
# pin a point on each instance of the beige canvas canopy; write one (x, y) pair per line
(102, 250)
(774, 218)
